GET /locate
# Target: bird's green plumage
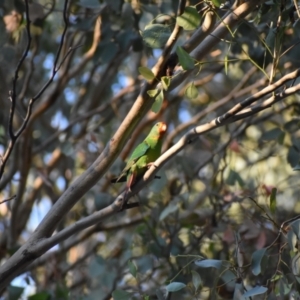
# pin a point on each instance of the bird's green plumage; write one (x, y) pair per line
(143, 155)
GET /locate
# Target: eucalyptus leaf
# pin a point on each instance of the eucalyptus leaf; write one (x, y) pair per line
(186, 61)
(121, 295)
(159, 99)
(190, 19)
(256, 261)
(146, 73)
(191, 91)
(209, 263)
(196, 279)
(175, 286)
(156, 35)
(258, 290)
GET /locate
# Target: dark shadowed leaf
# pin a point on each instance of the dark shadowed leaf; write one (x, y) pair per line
(121, 295)
(40, 296)
(272, 134)
(293, 125)
(293, 157)
(89, 3)
(234, 177)
(14, 292)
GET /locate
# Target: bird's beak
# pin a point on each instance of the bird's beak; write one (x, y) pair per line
(163, 128)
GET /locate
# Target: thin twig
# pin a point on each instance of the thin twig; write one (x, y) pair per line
(8, 199)
(13, 96)
(55, 69)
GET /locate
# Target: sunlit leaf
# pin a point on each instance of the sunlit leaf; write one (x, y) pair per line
(146, 73)
(159, 99)
(165, 81)
(153, 93)
(191, 91)
(296, 264)
(190, 19)
(217, 3)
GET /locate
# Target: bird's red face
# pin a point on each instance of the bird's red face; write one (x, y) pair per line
(162, 128)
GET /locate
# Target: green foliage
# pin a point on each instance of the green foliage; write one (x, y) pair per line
(165, 81)
(146, 73)
(186, 61)
(14, 292)
(191, 91)
(121, 295)
(159, 99)
(40, 296)
(156, 35)
(220, 220)
(258, 290)
(190, 19)
(234, 177)
(273, 200)
(175, 286)
(132, 268)
(256, 261)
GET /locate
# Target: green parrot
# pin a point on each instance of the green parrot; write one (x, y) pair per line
(143, 156)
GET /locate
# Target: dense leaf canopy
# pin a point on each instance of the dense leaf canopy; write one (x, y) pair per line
(82, 83)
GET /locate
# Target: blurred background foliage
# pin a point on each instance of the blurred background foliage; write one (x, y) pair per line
(208, 228)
